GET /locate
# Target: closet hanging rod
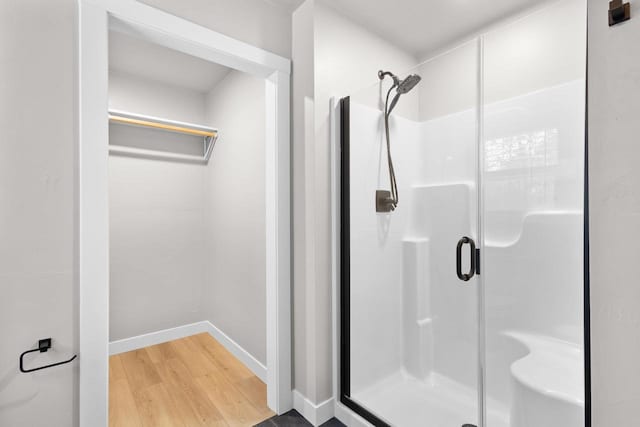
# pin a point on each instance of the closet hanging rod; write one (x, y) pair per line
(162, 124)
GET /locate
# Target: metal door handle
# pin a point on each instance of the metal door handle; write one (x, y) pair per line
(472, 268)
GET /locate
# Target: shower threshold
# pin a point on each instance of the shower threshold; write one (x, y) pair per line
(403, 400)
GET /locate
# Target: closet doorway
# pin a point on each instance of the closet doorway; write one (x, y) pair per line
(184, 223)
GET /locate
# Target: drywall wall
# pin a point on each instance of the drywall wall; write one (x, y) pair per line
(303, 224)
(203, 224)
(135, 94)
(37, 184)
(156, 215)
(346, 57)
(614, 126)
(511, 50)
(262, 23)
(438, 96)
(38, 170)
(234, 292)
(157, 245)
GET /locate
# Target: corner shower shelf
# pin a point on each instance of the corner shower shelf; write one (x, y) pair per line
(208, 134)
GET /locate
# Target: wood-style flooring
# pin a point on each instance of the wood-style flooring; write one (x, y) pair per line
(192, 381)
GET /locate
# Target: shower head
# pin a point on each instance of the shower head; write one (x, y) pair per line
(401, 86)
(409, 83)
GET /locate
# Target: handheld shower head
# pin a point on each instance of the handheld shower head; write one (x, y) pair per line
(409, 83)
(401, 86)
(386, 201)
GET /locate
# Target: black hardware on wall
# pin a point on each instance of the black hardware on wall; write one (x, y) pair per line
(43, 346)
(618, 12)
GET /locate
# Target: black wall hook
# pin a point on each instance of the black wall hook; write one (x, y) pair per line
(43, 346)
(618, 12)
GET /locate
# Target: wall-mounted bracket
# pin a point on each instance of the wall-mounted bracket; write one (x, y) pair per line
(43, 346)
(618, 12)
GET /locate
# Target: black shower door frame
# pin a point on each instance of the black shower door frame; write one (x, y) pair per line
(345, 276)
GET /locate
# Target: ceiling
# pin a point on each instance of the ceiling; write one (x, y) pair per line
(150, 61)
(421, 27)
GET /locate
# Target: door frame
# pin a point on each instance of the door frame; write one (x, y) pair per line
(94, 19)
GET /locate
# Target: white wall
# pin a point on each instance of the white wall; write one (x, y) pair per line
(512, 49)
(37, 216)
(439, 96)
(188, 240)
(546, 41)
(156, 216)
(614, 103)
(135, 94)
(157, 245)
(303, 224)
(234, 292)
(37, 185)
(262, 23)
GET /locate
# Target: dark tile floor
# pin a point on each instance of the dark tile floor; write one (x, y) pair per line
(294, 419)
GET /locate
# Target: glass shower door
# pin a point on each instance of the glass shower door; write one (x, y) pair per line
(533, 184)
(410, 285)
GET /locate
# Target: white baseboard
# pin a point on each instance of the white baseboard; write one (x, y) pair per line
(315, 414)
(159, 337)
(240, 353)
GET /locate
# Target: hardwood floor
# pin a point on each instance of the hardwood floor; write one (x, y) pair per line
(192, 381)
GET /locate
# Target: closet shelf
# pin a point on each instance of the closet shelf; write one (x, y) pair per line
(209, 134)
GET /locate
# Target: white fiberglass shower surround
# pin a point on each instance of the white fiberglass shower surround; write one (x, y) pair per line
(488, 149)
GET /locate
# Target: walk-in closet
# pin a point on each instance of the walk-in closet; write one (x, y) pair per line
(187, 318)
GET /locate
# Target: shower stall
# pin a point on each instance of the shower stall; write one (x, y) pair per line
(464, 304)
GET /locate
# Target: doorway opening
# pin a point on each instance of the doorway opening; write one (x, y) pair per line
(184, 225)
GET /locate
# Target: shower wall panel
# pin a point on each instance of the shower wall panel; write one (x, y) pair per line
(413, 322)
(376, 261)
